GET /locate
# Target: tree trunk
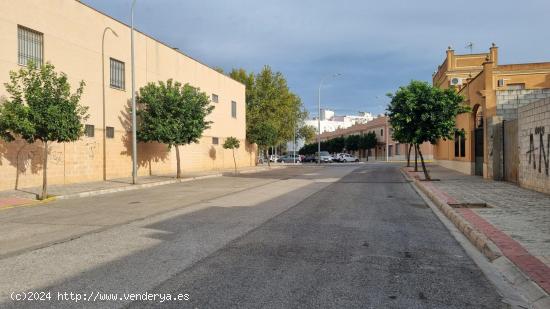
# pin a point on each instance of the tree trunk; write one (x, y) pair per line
(267, 157)
(44, 173)
(178, 166)
(409, 156)
(234, 160)
(426, 175)
(368, 152)
(415, 158)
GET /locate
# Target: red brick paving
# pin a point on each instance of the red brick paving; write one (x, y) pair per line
(13, 201)
(533, 267)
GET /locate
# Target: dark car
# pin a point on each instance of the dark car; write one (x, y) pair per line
(310, 158)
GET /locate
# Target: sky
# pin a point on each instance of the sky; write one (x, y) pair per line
(377, 46)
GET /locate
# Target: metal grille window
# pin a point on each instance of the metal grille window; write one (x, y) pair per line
(117, 74)
(233, 109)
(215, 141)
(30, 46)
(89, 130)
(110, 132)
(214, 98)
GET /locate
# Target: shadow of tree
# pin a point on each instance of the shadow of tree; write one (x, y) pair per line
(212, 153)
(147, 152)
(22, 156)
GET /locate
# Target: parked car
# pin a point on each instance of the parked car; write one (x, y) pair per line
(273, 158)
(289, 158)
(326, 157)
(338, 156)
(345, 157)
(309, 158)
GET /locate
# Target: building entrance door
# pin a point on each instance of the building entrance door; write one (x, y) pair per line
(478, 150)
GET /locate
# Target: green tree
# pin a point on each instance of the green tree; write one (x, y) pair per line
(232, 143)
(352, 142)
(367, 142)
(268, 99)
(336, 144)
(263, 135)
(307, 133)
(42, 108)
(420, 113)
(173, 114)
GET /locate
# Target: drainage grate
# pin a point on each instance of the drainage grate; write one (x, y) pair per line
(470, 205)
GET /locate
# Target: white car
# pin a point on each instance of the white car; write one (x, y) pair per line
(345, 157)
(326, 157)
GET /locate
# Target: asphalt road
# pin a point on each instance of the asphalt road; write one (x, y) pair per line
(337, 236)
(366, 241)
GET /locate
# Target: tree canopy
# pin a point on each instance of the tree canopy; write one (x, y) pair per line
(41, 107)
(232, 143)
(269, 100)
(173, 114)
(420, 112)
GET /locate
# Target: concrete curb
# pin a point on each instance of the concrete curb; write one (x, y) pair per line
(153, 184)
(479, 240)
(532, 292)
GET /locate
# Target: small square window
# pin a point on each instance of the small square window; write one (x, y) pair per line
(233, 109)
(89, 130)
(110, 132)
(214, 98)
(215, 141)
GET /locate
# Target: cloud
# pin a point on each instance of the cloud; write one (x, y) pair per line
(377, 45)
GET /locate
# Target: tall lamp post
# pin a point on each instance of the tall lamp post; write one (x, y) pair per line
(103, 88)
(134, 138)
(319, 115)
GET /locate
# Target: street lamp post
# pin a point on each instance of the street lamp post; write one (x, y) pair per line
(134, 138)
(319, 116)
(103, 88)
(294, 143)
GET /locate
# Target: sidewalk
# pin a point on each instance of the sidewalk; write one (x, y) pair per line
(516, 220)
(23, 196)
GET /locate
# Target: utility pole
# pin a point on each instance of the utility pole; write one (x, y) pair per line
(134, 137)
(319, 117)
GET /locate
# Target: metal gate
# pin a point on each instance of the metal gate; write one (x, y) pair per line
(478, 151)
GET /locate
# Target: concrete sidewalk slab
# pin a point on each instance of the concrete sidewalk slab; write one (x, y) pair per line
(28, 196)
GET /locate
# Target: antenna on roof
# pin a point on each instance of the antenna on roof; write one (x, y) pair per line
(470, 45)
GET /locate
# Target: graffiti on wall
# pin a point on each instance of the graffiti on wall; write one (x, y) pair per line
(543, 153)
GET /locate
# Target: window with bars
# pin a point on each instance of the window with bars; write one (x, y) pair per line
(117, 74)
(233, 109)
(30, 46)
(110, 132)
(214, 98)
(89, 130)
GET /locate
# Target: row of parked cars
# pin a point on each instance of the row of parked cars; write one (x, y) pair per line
(326, 157)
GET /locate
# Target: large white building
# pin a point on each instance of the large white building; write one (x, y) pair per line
(330, 123)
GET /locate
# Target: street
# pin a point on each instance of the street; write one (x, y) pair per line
(335, 236)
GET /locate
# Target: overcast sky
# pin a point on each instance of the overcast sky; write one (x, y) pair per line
(376, 45)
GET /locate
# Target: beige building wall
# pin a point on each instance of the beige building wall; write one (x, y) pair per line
(482, 78)
(73, 36)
